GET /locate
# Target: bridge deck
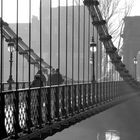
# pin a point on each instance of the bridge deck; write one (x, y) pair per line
(120, 118)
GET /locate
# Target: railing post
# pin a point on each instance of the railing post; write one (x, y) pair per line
(2, 87)
(74, 98)
(94, 93)
(82, 97)
(109, 90)
(63, 101)
(114, 89)
(23, 86)
(39, 107)
(91, 93)
(16, 125)
(111, 93)
(97, 93)
(79, 97)
(69, 101)
(66, 101)
(101, 91)
(85, 96)
(108, 94)
(104, 90)
(56, 94)
(49, 117)
(28, 111)
(3, 133)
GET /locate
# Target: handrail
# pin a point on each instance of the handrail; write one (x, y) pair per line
(60, 108)
(8, 33)
(21, 85)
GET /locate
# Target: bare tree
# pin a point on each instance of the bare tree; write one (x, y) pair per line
(114, 12)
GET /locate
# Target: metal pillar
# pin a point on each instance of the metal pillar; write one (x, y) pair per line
(10, 80)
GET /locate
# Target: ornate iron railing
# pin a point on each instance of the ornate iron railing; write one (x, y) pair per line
(21, 85)
(28, 110)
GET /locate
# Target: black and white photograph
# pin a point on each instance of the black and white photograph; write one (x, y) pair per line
(69, 69)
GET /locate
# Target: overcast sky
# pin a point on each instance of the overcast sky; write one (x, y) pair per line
(136, 8)
(9, 9)
(10, 6)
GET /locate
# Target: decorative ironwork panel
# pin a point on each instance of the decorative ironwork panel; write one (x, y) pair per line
(22, 108)
(44, 102)
(9, 107)
(34, 105)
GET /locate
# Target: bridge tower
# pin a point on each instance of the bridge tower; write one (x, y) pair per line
(131, 45)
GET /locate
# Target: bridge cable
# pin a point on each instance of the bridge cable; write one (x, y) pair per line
(28, 96)
(79, 46)
(83, 43)
(66, 63)
(88, 57)
(16, 125)
(40, 67)
(3, 132)
(88, 60)
(79, 25)
(73, 46)
(49, 94)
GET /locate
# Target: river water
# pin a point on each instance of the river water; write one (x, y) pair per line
(121, 122)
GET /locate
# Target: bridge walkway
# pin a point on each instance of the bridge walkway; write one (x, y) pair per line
(120, 122)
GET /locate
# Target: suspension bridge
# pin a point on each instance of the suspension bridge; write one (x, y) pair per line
(77, 43)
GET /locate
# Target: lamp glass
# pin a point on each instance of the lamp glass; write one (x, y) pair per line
(91, 61)
(93, 49)
(135, 60)
(11, 48)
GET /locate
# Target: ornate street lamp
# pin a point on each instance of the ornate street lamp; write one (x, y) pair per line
(135, 66)
(11, 49)
(93, 50)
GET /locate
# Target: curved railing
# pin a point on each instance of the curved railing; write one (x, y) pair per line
(52, 109)
(21, 85)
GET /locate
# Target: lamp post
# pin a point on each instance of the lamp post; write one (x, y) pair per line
(92, 60)
(135, 66)
(11, 49)
(23, 53)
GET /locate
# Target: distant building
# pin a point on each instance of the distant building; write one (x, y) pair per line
(131, 45)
